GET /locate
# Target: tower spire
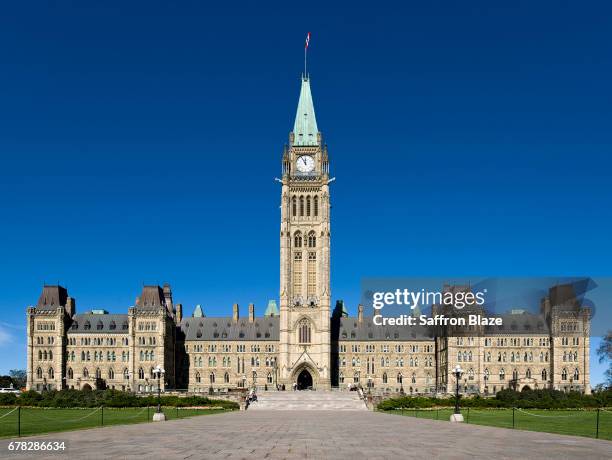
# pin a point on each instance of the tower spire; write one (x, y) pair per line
(305, 127)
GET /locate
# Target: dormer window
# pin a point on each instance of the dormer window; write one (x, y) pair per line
(87, 325)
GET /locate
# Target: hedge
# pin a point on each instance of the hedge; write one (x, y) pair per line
(528, 399)
(107, 398)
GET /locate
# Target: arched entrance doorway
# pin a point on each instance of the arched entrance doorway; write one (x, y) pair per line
(304, 380)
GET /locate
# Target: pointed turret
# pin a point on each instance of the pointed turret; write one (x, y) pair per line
(305, 127)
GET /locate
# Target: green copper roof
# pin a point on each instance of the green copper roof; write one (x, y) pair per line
(198, 313)
(272, 309)
(305, 128)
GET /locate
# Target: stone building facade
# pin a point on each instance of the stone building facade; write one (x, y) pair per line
(303, 342)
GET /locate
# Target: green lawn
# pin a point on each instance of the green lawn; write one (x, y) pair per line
(39, 420)
(572, 422)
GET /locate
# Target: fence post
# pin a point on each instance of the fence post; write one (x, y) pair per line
(19, 421)
(513, 417)
(597, 431)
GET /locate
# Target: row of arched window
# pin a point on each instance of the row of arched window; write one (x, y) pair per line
(311, 239)
(45, 355)
(226, 378)
(305, 206)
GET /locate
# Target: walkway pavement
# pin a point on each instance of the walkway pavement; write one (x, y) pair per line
(316, 435)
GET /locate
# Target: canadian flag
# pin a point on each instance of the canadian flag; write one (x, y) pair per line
(307, 40)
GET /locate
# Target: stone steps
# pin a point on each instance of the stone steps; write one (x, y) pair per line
(308, 400)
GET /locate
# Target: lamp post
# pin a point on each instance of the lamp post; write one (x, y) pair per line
(158, 372)
(457, 417)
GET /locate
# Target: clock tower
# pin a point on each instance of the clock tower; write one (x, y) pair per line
(304, 353)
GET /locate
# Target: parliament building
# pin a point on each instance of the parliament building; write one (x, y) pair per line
(300, 339)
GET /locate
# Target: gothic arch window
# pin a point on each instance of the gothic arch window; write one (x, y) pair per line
(308, 205)
(385, 378)
(301, 206)
(50, 373)
(111, 373)
(316, 206)
(356, 377)
(576, 374)
(399, 378)
(211, 378)
(198, 378)
(98, 373)
(304, 330)
(226, 378)
(528, 373)
(141, 373)
(502, 374)
(40, 355)
(514, 374)
(312, 240)
(564, 374)
(70, 373)
(297, 239)
(294, 206)
(39, 373)
(341, 377)
(126, 374)
(544, 374)
(85, 373)
(269, 378)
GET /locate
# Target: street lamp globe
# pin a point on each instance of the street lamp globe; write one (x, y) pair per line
(158, 372)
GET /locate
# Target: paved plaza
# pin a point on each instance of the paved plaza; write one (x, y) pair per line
(314, 434)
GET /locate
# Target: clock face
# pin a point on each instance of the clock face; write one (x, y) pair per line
(305, 164)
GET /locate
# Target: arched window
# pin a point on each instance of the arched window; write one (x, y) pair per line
(399, 378)
(471, 374)
(39, 373)
(312, 240)
(98, 373)
(304, 331)
(528, 373)
(50, 373)
(308, 205)
(544, 374)
(126, 374)
(385, 377)
(356, 377)
(413, 378)
(514, 374)
(294, 206)
(269, 378)
(301, 206)
(341, 377)
(40, 355)
(70, 373)
(576, 374)
(564, 374)
(141, 373)
(226, 378)
(211, 378)
(111, 373)
(85, 373)
(297, 239)
(316, 206)
(502, 374)
(45, 355)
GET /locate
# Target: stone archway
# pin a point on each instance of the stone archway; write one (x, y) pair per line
(304, 380)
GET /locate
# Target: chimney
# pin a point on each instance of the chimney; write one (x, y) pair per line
(168, 297)
(251, 313)
(236, 315)
(360, 314)
(179, 312)
(70, 307)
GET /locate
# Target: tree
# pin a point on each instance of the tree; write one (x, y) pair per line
(604, 351)
(19, 377)
(5, 381)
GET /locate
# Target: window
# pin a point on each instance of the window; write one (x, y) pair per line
(126, 374)
(356, 377)
(85, 373)
(198, 378)
(502, 374)
(312, 240)
(341, 377)
(269, 378)
(564, 374)
(70, 373)
(544, 374)
(385, 377)
(576, 374)
(98, 373)
(39, 373)
(312, 274)
(111, 373)
(528, 373)
(308, 205)
(297, 239)
(211, 378)
(399, 378)
(304, 331)
(294, 206)
(316, 206)
(141, 373)
(226, 378)
(301, 206)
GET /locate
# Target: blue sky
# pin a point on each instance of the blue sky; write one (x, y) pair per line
(139, 144)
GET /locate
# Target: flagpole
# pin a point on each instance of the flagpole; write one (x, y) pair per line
(305, 51)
